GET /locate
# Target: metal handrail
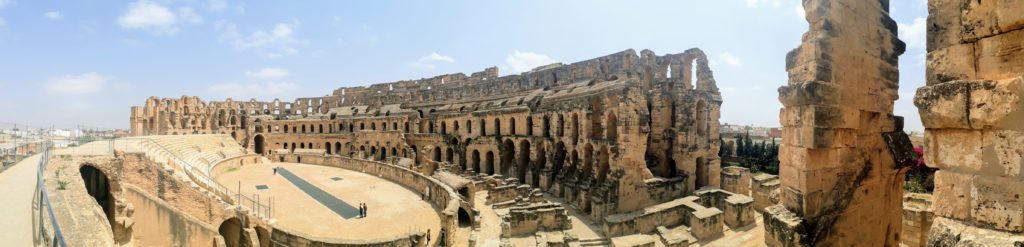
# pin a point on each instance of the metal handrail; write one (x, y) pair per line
(43, 201)
(217, 187)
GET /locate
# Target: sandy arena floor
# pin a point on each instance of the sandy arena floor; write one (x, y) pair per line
(393, 209)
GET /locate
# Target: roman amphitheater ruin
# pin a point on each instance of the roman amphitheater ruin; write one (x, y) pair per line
(619, 150)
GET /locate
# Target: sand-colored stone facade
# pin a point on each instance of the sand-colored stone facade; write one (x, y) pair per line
(612, 134)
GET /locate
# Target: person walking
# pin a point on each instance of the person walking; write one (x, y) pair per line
(365, 209)
(360, 210)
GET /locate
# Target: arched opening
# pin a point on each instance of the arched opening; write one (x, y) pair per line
(535, 168)
(483, 128)
(508, 150)
(512, 126)
(444, 128)
(529, 125)
(327, 148)
(602, 165)
(524, 161)
(450, 156)
(546, 126)
(362, 126)
(456, 123)
(337, 148)
(293, 147)
(258, 144)
(575, 128)
(437, 154)
(263, 236)
(469, 127)
(302, 145)
(613, 127)
(497, 127)
(406, 127)
(383, 153)
(702, 173)
(574, 160)
(464, 219)
(373, 126)
(702, 118)
(321, 129)
(98, 186)
(303, 128)
(558, 161)
(373, 151)
(231, 231)
(560, 131)
(430, 127)
(394, 126)
(476, 161)
(383, 126)
(489, 163)
(588, 162)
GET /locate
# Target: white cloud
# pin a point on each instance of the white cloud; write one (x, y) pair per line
(53, 15)
(76, 84)
(251, 90)
(751, 3)
(275, 43)
(730, 59)
(268, 73)
(799, 10)
(520, 62)
(215, 5)
(189, 15)
(913, 34)
(148, 15)
(430, 61)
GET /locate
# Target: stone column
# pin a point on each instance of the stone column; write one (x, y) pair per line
(840, 185)
(972, 112)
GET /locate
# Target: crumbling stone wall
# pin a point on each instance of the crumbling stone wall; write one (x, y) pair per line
(612, 134)
(917, 219)
(971, 108)
(840, 185)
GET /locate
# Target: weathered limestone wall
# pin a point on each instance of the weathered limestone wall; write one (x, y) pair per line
(765, 191)
(973, 112)
(917, 219)
(529, 219)
(293, 238)
(840, 185)
(162, 225)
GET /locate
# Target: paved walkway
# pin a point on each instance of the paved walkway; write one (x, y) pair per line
(17, 184)
(333, 203)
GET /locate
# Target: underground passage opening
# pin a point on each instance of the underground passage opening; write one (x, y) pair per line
(98, 186)
(231, 231)
(464, 219)
(258, 140)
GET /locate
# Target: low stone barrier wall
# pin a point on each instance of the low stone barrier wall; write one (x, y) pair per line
(237, 161)
(764, 188)
(285, 237)
(163, 225)
(705, 223)
(441, 195)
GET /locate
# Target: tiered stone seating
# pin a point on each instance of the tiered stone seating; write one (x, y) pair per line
(200, 151)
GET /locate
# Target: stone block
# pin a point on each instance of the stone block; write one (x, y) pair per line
(997, 104)
(944, 105)
(944, 26)
(1001, 56)
(954, 150)
(998, 203)
(955, 62)
(706, 224)
(1003, 154)
(952, 195)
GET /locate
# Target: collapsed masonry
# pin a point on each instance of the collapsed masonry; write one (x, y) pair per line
(971, 107)
(840, 184)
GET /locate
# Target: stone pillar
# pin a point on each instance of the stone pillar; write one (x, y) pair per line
(971, 107)
(840, 185)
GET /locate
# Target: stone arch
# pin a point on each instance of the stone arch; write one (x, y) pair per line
(262, 235)
(394, 125)
(612, 131)
(450, 155)
(285, 128)
(588, 161)
(337, 148)
(321, 129)
(497, 127)
(538, 165)
(469, 126)
(508, 149)
(488, 166)
(303, 128)
(529, 125)
(602, 165)
(512, 126)
(444, 128)
(437, 154)
(476, 160)
(524, 161)
(258, 144)
(558, 161)
(98, 185)
(465, 220)
(231, 230)
(701, 118)
(327, 148)
(702, 172)
(575, 128)
(383, 153)
(483, 127)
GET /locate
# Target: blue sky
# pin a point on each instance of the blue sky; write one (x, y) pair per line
(79, 62)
